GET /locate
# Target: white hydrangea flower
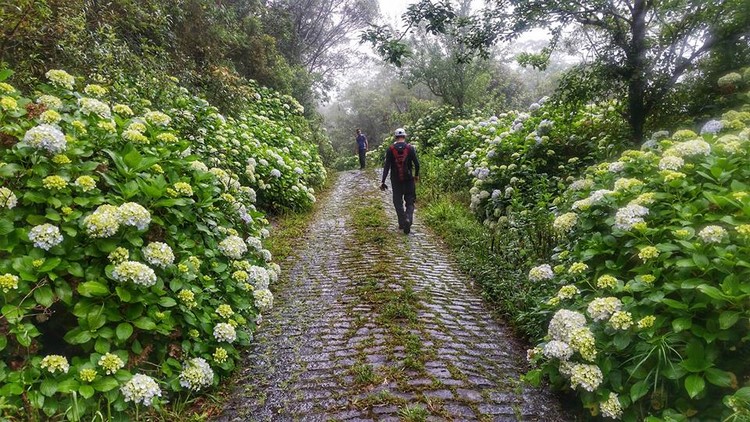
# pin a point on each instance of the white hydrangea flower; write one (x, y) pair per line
(266, 254)
(616, 167)
(588, 377)
(541, 272)
(135, 215)
(565, 222)
(629, 216)
(90, 106)
(582, 184)
(254, 243)
(7, 198)
(712, 234)
(275, 173)
(233, 247)
(158, 254)
(196, 374)
(198, 166)
(141, 389)
(47, 137)
(602, 308)
(556, 349)
(157, 118)
(54, 363)
(563, 323)
(135, 272)
(263, 299)
(689, 148)
(671, 162)
(611, 408)
(225, 332)
(103, 222)
(45, 236)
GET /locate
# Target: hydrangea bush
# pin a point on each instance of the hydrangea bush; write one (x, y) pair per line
(651, 317)
(131, 265)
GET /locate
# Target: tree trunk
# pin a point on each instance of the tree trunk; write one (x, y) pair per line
(637, 112)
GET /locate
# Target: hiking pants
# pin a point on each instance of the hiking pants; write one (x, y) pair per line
(362, 159)
(404, 192)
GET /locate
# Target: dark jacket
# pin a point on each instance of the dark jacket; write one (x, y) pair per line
(411, 162)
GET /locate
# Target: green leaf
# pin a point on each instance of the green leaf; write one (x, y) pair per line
(44, 296)
(674, 304)
(167, 302)
(123, 293)
(50, 264)
(681, 324)
(638, 390)
(48, 387)
(743, 393)
(694, 385)
(104, 384)
(711, 292)
(6, 227)
(102, 345)
(68, 385)
(78, 336)
(5, 74)
(93, 288)
(145, 323)
(86, 391)
(718, 377)
(533, 377)
(124, 331)
(728, 318)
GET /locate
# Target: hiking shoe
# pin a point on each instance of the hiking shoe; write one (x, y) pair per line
(407, 229)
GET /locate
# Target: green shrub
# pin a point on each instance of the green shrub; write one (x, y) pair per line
(651, 317)
(130, 242)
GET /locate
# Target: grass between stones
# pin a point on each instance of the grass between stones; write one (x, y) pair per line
(394, 305)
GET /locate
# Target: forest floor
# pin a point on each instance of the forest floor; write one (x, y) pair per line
(371, 324)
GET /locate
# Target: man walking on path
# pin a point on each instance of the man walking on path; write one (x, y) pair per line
(399, 160)
(362, 147)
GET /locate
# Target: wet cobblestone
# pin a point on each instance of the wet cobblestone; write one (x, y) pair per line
(303, 363)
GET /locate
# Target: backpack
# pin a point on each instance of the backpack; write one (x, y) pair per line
(400, 159)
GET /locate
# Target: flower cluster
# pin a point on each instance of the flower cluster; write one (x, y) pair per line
(588, 377)
(54, 182)
(7, 198)
(8, 282)
(263, 299)
(225, 332)
(134, 272)
(55, 363)
(94, 106)
(611, 408)
(87, 374)
(542, 272)
(196, 374)
(713, 234)
(157, 118)
(187, 297)
(86, 183)
(134, 215)
(111, 363)
(629, 216)
(556, 349)
(565, 222)
(621, 320)
(183, 189)
(606, 282)
(45, 236)
(141, 389)
(158, 254)
(61, 78)
(47, 137)
(602, 308)
(103, 222)
(224, 311)
(233, 247)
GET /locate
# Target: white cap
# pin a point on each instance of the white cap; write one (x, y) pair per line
(400, 132)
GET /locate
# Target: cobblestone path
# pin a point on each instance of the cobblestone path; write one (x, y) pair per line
(381, 327)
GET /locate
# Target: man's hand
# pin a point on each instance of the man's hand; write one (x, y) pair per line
(416, 179)
(383, 186)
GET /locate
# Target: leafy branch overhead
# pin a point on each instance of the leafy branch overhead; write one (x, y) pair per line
(647, 46)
